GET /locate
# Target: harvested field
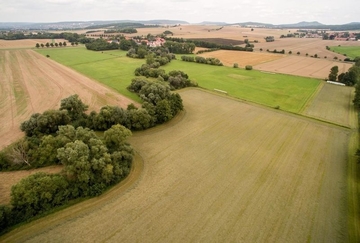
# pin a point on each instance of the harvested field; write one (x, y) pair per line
(333, 103)
(224, 171)
(32, 83)
(243, 58)
(311, 46)
(220, 41)
(28, 43)
(234, 32)
(303, 66)
(8, 179)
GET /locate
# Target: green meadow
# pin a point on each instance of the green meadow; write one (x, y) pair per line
(115, 70)
(350, 51)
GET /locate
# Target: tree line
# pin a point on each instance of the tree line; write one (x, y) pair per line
(210, 45)
(70, 37)
(203, 60)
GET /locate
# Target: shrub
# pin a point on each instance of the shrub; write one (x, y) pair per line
(236, 65)
(248, 67)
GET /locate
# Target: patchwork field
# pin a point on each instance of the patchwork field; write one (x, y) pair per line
(224, 171)
(32, 83)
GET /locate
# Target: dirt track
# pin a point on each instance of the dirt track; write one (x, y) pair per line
(32, 83)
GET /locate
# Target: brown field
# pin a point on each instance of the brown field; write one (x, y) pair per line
(333, 103)
(8, 179)
(223, 171)
(29, 43)
(32, 83)
(228, 58)
(303, 66)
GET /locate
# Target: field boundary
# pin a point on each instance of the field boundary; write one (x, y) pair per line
(311, 98)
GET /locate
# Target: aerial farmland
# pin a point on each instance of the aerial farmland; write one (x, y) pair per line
(265, 160)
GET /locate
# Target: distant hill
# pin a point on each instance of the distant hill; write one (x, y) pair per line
(212, 23)
(71, 25)
(84, 24)
(255, 24)
(302, 24)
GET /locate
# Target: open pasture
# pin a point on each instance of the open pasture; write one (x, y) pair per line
(350, 51)
(224, 171)
(32, 83)
(291, 93)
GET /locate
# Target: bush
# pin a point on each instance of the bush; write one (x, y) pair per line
(38, 193)
(236, 65)
(248, 67)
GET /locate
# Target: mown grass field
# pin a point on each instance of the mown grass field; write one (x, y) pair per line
(224, 171)
(350, 51)
(114, 69)
(290, 93)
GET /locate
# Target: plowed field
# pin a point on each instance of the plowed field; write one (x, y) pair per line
(32, 83)
(224, 171)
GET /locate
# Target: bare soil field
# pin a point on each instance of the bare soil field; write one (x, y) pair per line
(303, 66)
(32, 83)
(28, 43)
(228, 58)
(8, 179)
(223, 171)
(333, 103)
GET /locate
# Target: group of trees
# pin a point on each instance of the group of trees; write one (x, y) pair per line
(203, 60)
(124, 30)
(180, 48)
(155, 56)
(276, 51)
(101, 45)
(91, 164)
(349, 78)
(210, 45)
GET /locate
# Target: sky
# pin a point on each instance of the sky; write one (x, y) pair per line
(192, 11)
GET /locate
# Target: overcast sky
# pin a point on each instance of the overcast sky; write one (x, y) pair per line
(195, 11)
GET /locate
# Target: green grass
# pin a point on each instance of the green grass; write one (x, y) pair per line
(111, 68)
(291, 93)
(350, 51)
(114, 69)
